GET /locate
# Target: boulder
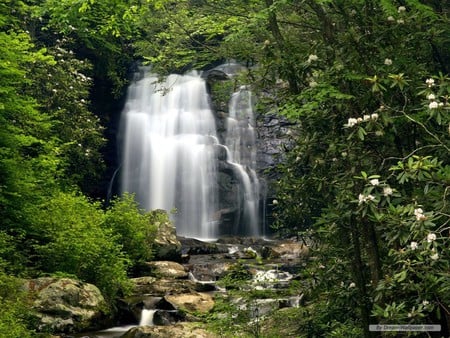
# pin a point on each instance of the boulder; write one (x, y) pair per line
(159, 287)
(167, 269)
(166, 244)
(173, 331)
(191, 302)
(287, 250)
(66, 305)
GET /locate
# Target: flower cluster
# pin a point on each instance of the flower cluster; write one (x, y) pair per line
(354, 121)
(365, 198)
(419, 214)
(434, 104)
(312, 58)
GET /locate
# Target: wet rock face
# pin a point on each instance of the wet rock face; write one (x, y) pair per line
(66, 305)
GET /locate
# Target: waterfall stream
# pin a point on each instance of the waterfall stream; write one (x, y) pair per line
(170, 146)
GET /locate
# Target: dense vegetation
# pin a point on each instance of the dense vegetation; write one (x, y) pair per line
(366, 179)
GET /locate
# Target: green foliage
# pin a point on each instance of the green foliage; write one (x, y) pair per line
(14, 310)
(77, 243)
(237, 276)
(136, 229)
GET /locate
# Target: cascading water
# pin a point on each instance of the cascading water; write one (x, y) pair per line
(147, 317)
(170, 153)
(241, 144)
(168, 150)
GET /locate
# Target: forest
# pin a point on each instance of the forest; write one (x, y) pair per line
(366, 178)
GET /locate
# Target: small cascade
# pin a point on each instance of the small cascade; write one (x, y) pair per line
(147, 317)
(241, 144)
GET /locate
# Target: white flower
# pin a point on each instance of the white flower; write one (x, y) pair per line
(387, 191)
(351, 122)
(374, 181)
(275, 202)
(359, 119)
(312, 58)
(435, 256)
(352, 285)
(361, 198)
(401, 9)
(387, 62)
(374, 116)
(430, 82)
(433, 105)
(414, 245)
(419, 214)
(366, 117)
(431, 97)
(418, 211)
(425, 303)
(431, 237)
(390, 18)
(400, 21)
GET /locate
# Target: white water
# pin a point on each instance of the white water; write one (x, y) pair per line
(241, 143)
(169, 159)
(147, 317)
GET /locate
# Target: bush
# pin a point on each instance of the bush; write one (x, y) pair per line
(134, 229)
(13, 310)
(77, 243)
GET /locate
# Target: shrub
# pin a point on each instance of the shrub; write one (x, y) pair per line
(78, 244)
(133, 228)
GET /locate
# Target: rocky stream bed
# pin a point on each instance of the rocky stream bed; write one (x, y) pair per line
(172, 296)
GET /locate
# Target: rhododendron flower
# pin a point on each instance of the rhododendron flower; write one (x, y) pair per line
(387, 191)
(351, 122)
(431, 237)
(433, 105)
(312, 58)
(374, 181)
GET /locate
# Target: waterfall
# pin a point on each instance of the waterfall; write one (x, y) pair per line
(147, 317)
(168, 150)
(241, 143)
(170, 153)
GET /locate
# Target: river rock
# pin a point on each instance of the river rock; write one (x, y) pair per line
(167, 269)
(192, 302)
(166, 244)
(173, 331)
(287, 250)
(160, 287)
(66, 305)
